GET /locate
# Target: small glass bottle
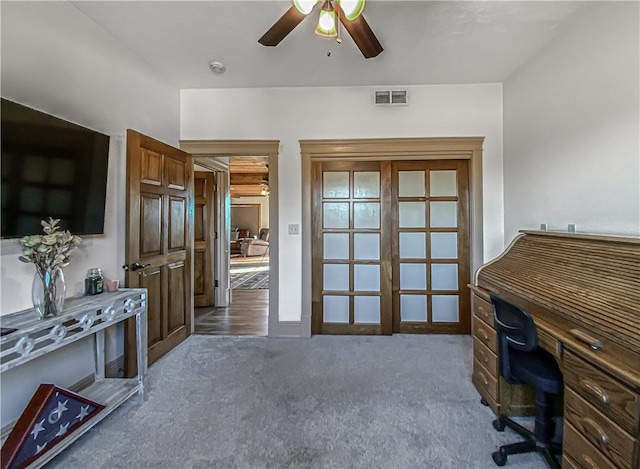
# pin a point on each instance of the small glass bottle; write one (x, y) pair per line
(94, 283)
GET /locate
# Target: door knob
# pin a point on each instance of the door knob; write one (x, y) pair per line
(135, 266)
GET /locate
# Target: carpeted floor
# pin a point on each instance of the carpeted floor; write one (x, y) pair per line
(404, 401)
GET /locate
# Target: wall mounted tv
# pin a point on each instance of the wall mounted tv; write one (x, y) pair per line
(50, 168)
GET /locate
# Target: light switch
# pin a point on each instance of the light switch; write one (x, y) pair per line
(294, 229)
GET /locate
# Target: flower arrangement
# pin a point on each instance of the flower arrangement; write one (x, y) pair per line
(51, 249)
(49, 253)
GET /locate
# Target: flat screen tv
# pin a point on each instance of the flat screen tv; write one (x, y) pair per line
(50, 168)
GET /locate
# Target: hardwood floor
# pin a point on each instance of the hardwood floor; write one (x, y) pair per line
(248, 314)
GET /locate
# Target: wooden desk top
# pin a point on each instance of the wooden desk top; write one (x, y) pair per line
(582, 290)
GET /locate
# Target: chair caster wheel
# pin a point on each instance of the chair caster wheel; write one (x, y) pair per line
(498, 458)
(498, 425)
(484, 402)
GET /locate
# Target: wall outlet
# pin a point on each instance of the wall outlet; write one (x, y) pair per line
(294, 229)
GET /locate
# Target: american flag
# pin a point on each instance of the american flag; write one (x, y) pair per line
(52, 415)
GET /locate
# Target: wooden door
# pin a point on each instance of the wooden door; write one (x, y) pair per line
(204, 237)
(390, 247)
(431, 247)
(158, 242)
(351, 291)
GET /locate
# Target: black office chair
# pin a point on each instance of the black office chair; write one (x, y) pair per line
(523, 362)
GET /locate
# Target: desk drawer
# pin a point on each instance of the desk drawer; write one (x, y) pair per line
(483, 309)
(605, 393)
(486, 384)
(486, 357)
(580, 452)
(612, 441)
(486, 335)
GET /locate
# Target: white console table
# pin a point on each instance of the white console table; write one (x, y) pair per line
(82, 317)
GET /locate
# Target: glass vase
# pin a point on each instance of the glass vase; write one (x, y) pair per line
(48, 292)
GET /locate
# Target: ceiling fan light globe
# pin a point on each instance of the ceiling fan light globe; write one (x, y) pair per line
(352, 8)
(304, 6)
(327, 24)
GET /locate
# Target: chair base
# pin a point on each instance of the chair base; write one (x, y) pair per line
(546, 448)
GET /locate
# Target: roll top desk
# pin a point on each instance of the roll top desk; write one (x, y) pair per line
(583, 292)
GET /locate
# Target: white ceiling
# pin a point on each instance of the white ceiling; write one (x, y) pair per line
(425, 42)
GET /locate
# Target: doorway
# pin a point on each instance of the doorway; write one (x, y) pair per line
(219, 153)
(418, 299)
(389, 243)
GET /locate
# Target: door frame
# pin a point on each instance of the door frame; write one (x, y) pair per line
(427, 148)
(270, 148)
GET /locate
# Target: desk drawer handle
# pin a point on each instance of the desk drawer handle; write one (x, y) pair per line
(595, 344)
(602, 436)
(597, 390)
(486, 383)
(483, 334)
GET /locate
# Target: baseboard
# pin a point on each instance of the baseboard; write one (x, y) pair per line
(286, 329)
(113, 369)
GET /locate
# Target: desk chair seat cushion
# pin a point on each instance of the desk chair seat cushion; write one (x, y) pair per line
(538, 369)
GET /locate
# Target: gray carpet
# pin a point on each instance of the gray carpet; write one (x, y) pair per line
(404, 401)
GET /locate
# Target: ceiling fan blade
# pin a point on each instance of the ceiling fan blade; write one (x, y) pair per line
(362, 35)
(282, 27)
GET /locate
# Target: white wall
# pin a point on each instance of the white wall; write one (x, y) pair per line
(571, 127)
(291, 114)
(57, 60)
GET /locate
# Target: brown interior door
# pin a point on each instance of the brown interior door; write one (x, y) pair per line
(390, 247)
(431, 247)
(204, 237)
(158, 242)
(351, 253)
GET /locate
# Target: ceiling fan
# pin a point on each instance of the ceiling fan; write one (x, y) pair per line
(332, 13)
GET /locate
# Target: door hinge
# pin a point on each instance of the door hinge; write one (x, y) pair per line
(215, 235)
(215, 284)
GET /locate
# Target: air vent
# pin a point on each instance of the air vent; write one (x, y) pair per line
(391, 97)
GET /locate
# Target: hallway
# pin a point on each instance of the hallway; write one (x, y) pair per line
(247, 315)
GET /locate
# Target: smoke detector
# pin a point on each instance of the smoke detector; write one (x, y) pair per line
(217, 66)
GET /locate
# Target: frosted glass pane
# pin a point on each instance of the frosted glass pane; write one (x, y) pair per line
(444, 245)
(366, 215)
(366, 246)
(444, 215)
(336, 245)
(444, 276)
(412, 245)
(366, 184)
(413, 308)
(366, 278)
(413, 277)
(336, 215)
(335, 308)
(335, 185)
(411, 184)
(412, 214)
(366, 309)
(444, 308)
(442, 183)
(336, 277)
